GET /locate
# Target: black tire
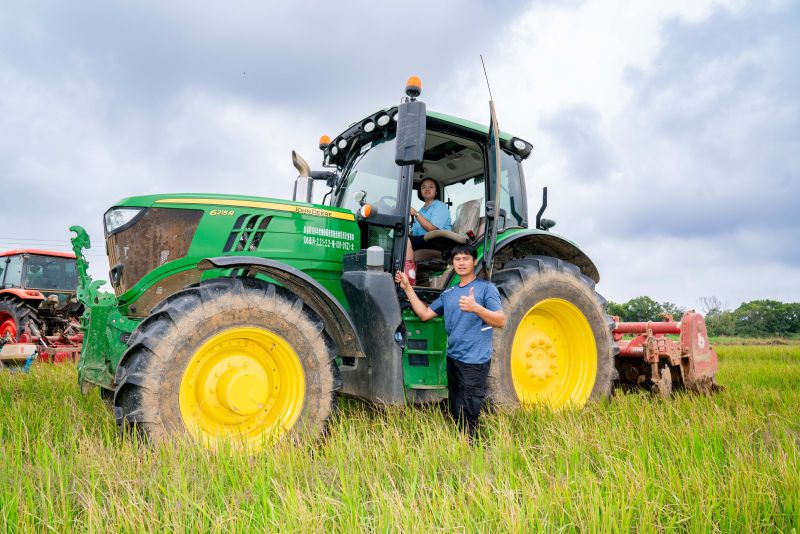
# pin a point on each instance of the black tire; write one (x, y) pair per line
(523, 285)
(152, 369)
(21, 314)
(107, 397)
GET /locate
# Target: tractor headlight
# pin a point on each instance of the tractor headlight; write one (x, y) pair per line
(116, 218)
(519, 147)
(383, 120)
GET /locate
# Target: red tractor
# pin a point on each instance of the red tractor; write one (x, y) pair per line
(39, 310)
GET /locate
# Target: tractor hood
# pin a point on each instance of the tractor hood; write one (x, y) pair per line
(154, 243)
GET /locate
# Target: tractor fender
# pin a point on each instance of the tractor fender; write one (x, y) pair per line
(22, 294)
(338, 323)
(540, 243)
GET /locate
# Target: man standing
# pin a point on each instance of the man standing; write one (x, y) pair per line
(471, 310)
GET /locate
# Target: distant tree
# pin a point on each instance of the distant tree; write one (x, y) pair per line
(719, 319)
(792, 317)
(643, 309)
(721, 323)
(668, 308)
(711, 304)
(618, 310)
(762, 318)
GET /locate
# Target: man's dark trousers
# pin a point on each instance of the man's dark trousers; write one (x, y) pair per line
(466, 386)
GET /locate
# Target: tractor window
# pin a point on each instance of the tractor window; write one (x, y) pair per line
(13, 273)
(471, 189)
(511, 197)
(44, 272)
(374, 172)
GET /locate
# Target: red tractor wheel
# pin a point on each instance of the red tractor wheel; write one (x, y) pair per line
(15, 320)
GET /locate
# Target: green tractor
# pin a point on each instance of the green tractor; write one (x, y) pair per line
(243, 318)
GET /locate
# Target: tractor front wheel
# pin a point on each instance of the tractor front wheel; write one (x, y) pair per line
(556, 348)
(17, 320)
(235, 360)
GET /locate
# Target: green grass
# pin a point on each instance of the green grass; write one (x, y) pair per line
(774, 340)
(729, 462)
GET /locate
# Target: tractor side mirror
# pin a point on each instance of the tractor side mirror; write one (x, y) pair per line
(546, 224)
(410, 141)
(360, 197)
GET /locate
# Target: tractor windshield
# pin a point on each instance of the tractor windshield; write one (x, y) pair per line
(373, 171)
(47, 272)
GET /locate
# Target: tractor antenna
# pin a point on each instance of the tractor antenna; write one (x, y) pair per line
(487, 78)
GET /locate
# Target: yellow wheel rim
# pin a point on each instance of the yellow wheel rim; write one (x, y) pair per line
(554, 355)
(245, 383)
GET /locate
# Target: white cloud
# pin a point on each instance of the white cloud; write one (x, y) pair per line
(661, 166)
(69, 155)
(662, 214)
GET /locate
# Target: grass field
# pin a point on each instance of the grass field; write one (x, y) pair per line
(729, 463)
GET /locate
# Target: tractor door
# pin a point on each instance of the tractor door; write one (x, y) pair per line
(493, 209)
(373, 179)
(506, 205)
(12, 274)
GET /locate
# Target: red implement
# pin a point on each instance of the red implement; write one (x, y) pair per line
(689, 361)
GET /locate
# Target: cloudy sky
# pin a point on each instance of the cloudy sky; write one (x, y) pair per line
(668, 132)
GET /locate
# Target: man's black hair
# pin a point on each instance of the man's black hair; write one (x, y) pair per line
(438, 189)
(464, 249)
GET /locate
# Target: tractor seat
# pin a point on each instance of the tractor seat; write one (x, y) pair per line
(430, 260)
(468, 215)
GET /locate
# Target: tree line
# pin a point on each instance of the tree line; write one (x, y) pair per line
(757, 318)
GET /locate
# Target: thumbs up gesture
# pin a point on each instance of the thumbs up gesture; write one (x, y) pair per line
(468, 303)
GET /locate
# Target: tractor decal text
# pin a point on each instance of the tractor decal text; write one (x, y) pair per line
(302, 210)
(327, 232)
(328, 238)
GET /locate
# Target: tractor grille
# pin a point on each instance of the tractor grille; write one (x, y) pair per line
(159, 236)
(247, 233)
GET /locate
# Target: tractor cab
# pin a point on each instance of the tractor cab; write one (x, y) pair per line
(38, 294)
(45, 272)
(457, 154)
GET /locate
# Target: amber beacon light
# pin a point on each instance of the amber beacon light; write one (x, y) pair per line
(414, 86)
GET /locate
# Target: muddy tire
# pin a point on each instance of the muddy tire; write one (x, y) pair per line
(233, 359)
(556, 348)
(17, 319)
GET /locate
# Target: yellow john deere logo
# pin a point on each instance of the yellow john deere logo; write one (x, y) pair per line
(303, 210)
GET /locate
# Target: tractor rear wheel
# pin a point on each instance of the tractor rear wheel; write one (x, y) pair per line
(17, 319)
(556, 348)
(229, 359)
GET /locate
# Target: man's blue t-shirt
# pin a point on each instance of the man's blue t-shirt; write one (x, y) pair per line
(469, 339)
(437, 213)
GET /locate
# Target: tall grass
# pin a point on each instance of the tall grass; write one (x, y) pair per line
(729, 462)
